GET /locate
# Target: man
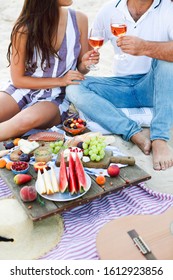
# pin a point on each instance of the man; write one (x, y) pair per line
(143, 79)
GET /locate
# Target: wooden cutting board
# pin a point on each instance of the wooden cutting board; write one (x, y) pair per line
(105, 162)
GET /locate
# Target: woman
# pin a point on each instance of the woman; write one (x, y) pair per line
(48, 43)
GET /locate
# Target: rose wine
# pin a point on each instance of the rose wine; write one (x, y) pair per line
(118, 29)
(96, 42)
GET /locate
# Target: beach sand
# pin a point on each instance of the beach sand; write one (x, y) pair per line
(161, 181)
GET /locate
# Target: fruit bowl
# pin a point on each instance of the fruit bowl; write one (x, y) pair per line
(20, 167)
(74, 126)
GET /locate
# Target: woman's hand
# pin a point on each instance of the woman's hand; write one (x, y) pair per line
(90, 57)
(70, 78)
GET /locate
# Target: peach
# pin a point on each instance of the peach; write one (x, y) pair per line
(40, 166)
(113, 170)
(28, 193)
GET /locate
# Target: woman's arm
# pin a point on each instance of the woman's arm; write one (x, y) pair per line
(87, 56)
(17, 70)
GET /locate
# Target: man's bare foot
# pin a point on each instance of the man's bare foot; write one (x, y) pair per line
(162, 155)
(142, 142)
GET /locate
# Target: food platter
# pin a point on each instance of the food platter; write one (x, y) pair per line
(66, 196)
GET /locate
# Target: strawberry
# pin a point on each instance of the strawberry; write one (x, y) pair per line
(20, 179)
(80, 125)
(80, 120)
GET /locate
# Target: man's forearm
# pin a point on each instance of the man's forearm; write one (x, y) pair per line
(159, 50)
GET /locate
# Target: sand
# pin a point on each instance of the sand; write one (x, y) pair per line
(161, 181)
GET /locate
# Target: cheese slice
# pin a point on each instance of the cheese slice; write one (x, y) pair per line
(27, 146)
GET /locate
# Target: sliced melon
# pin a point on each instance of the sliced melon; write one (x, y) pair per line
(63, 178)
(48, 183)
(73, 183)
(81, 176)
(54, 180)
(41, 188)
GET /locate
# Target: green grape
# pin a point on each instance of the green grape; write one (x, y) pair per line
(56, 143)
(56, 146)
(56, 149)
(85, 145)
(93, 157)
(87, 141)
(51, 145)
(98, 158)
(102, 153)
(94, 147)
(61, 143)
(86, 152)
(90, 152)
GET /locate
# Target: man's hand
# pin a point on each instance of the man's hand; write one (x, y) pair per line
(131, 45)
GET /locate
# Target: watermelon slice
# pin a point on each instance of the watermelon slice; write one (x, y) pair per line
(81, 176)
(63, 178)
(73, 183)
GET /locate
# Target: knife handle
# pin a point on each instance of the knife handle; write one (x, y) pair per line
(123, 160)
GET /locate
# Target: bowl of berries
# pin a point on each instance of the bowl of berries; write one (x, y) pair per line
(74, 125)
(20, 167)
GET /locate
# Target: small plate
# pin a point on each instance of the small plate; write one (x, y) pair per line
(66, 196)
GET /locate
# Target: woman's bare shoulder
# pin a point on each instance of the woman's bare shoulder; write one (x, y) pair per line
(81, 17)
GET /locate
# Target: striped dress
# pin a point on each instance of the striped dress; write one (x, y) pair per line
(68, 54)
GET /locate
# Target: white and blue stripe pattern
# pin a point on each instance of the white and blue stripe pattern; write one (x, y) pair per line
(67, 60)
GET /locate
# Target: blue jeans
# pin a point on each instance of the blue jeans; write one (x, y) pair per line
(100, 98)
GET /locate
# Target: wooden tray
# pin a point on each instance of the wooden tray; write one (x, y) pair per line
(129, 176)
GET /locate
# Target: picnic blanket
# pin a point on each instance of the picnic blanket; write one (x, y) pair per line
(82, 223)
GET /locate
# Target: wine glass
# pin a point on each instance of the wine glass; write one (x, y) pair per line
(96, 40)
(118, 29)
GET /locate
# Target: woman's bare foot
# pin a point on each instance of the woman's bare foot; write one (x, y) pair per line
(162, 155)
(142, 142)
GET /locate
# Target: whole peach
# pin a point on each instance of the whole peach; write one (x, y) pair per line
(113, 170)
(28, 193)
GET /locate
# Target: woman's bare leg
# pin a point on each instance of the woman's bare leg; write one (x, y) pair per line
(9, 107)
(41, 115)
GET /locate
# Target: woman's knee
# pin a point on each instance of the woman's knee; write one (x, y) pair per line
(10, 107)
(26, 121)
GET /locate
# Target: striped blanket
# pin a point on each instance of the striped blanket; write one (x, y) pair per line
(82, 223)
